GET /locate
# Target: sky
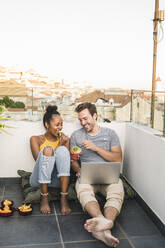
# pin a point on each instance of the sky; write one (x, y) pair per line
(108, 43)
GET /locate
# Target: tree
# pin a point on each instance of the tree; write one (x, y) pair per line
(9, 103)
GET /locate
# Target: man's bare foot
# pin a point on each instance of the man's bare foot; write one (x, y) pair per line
(65, 209)
(98, 224)
(44, 205)
(107, 238)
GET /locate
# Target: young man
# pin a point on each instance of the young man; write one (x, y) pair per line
(98, 144)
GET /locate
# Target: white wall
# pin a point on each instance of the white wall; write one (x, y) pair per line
(144, 166)
(15, 149)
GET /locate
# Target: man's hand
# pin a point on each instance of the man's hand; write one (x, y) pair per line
(87, 144)
(74, 156)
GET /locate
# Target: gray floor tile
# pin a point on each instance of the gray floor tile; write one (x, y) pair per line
(116, 231)
(134, 220)
(17, 198)
(72, 227)
(96, 244)
(28, 230)
(75, 207)
(11, 180)
(46, 246)
(12, 189)
(35, 231)
(149, 242)
(36, 246)
(1, 188)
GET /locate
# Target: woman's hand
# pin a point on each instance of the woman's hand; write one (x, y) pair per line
(63, 139)
(78, 174)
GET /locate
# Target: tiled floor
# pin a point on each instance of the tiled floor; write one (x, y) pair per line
(133, 227)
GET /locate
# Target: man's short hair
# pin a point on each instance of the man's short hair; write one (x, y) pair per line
(86, 105)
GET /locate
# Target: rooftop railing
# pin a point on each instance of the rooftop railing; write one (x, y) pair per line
(112, 104)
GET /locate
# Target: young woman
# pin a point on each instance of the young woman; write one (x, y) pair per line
(51, 153)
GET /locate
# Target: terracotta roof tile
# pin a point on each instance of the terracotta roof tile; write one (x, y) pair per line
(95, 95)
(38, 83)
(46, 93)
(15, 91)
(65, 92)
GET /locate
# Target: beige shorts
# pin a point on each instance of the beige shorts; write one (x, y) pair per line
(114, 194)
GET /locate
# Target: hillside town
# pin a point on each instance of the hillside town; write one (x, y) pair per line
(36, 91)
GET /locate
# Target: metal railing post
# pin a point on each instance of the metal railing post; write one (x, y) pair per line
(32, 101)
(131, 108)
(164, 119)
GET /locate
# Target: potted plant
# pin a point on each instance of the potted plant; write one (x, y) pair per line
(12, 105)
(3, 117)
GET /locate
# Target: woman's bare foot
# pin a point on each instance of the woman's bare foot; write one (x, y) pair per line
(107, 238)
(98, 224)
(44, 205)
(65, 209)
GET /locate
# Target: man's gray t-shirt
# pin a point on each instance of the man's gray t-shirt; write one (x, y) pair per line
(104, 139)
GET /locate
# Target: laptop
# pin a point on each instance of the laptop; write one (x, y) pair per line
(100, 173)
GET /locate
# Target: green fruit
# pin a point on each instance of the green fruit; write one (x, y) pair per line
(60, 133)
(76, 149)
